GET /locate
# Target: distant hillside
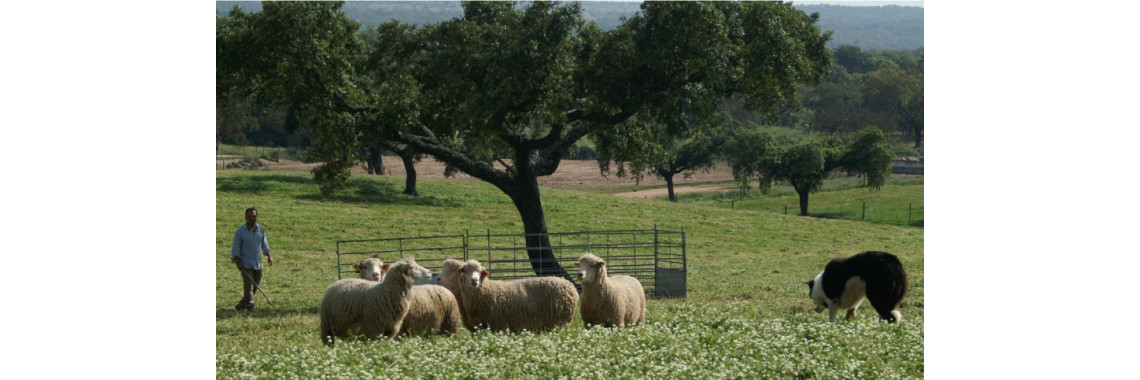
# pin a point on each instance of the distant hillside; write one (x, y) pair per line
(888, 27)
(868, 27)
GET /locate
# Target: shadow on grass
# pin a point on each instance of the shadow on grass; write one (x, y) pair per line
(834, 215)
(357, 191)
(372, 192)
(264, 311)
(916, 224)
(257, 184)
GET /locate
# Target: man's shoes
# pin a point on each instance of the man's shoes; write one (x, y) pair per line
(244, 306)
(249, 306)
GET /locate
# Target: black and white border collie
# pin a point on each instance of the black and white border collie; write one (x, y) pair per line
(877, 276)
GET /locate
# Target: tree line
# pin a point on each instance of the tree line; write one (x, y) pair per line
(504, 92)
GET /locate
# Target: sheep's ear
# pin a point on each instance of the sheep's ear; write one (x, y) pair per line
(577, 265)
(356, 268)
(385, 267)
(485, 274)
(601, 264)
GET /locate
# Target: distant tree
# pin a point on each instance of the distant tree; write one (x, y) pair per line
(748, 151)
(650, 153)
(870, 154)
(899, 93)
(804, 166)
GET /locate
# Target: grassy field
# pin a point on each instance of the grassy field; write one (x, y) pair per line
(899, 202)
(747, 314)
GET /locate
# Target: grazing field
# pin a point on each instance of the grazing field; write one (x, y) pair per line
(747, 314)
(899, 202)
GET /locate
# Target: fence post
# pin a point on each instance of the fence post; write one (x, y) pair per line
(909, 207)
(864, 216)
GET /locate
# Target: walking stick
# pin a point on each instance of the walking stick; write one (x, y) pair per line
(256, 286)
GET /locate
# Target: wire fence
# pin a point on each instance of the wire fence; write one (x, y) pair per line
(909, 214)
(657, 258)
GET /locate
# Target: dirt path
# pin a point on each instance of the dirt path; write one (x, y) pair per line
(571, 174)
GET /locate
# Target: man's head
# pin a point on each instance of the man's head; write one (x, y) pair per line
(251, 217)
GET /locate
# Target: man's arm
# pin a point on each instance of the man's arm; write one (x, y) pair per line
(234, 252)
(265, 246)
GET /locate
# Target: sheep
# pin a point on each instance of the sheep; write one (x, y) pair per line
(370, 269)
(371, 308)
(532, 304)
(448, 277)
(373, 269)
(433, 308)
(610, 301)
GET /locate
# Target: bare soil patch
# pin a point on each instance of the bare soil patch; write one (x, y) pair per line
(571, 174)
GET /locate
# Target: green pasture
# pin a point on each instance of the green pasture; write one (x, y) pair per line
(747, 314)
(899, 202)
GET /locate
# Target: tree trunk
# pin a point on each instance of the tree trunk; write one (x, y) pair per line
(410, 169)
(376, 160)
(528, 201)
(917, 136)
(669, 183)
(803, 201)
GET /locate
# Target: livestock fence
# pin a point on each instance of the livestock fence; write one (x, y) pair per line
(657, 258)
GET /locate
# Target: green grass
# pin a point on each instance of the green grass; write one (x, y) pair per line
(899, 202)
(747, 314)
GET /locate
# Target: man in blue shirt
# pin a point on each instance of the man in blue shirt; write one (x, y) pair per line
(248, 240)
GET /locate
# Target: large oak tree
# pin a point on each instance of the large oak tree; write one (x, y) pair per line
(504, 91)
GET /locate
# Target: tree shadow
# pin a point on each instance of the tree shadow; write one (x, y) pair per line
(833, 215)
(917, 223)
(257, 184)
(357, 191)
(372, 192)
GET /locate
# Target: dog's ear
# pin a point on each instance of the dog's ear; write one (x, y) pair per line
(810, 283)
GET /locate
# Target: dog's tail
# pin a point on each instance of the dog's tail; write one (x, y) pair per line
(886, 282)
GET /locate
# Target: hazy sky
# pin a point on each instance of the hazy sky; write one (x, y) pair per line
(862, 2)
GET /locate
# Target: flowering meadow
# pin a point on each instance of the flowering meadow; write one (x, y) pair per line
(747, 314)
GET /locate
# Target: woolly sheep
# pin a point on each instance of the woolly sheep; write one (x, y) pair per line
(617, 300)
(367, 307)
(370, 269)
(447, 277)
(373, 269)
(433, 310)
(532, 304)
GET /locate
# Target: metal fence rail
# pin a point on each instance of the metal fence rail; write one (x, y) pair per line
(657, 258)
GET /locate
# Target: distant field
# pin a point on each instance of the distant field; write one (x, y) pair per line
(747, 314)
(899, 202)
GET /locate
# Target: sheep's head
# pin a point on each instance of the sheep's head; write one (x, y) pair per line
(449, 273)
(412, 269)
(472, 274)
(590, 268)
(370, 269)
